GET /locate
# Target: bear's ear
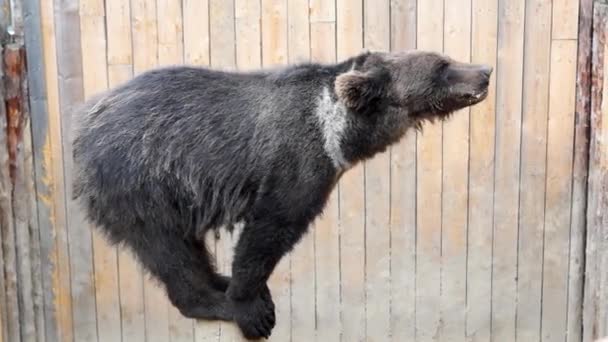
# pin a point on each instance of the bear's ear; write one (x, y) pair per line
(361, 90)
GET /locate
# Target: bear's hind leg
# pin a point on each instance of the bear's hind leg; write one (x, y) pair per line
(184, 267)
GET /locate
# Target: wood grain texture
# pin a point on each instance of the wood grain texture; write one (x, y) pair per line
(37, 136)
(579, 174)
(403, 197)
(428, 191)
(455, 174)
(507, 167)
(54, 242)
(7, 226)
(595, 313)
(20, 176)
(481, 177)
(71, 90)
(533, 168)
(560, 137)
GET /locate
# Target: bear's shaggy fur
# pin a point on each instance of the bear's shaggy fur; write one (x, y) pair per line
(179, 151)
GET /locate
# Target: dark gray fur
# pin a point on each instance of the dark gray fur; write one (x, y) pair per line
(178, 151)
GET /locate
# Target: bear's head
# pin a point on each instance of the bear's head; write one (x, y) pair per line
(420, 84)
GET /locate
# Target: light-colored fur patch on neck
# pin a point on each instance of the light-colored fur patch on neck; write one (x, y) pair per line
(332, 117)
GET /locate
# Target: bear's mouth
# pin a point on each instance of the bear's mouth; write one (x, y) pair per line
(474, 98)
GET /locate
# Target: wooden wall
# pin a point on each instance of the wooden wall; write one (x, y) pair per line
(469, 231)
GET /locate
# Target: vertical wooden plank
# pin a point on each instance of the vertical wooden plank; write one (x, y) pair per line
(559, 189)
(7, 227)
(93, 42)
(302, 257)
(506, 197)
(145, 56)
(19, 152)
(595, 312)
(428, 192)
(39, 126)
(221, 33)
(37, 136)
(170, 32)
(579, 174)
(457, 44)
(481, 178)
(7, 276)
(274, 32)
(565, 16)
(349, 33)
(70, 80)
(196, 31)
(54, 242)
(326, 229)
(33, 232)
(533, 157)
(248, 34)
(120, 69)
(403, 196)
(376, 37)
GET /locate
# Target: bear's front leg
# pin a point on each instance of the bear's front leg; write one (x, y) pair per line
(259, 249)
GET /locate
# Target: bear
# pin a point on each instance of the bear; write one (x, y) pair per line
(180, 151)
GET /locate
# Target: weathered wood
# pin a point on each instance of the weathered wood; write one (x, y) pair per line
(349, 34)
(481, 178)
(535, 99)
(30, 260)
(507, 167)
(428, 191)
(54, 241)
(457, 43)
(403, 197)
(376, 37)
(70, 82)
(36, 137)
(8, 140)
(18, 117)
(558, 189)
(595, 309)
(579, 174)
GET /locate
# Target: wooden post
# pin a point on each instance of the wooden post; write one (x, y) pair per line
(595, 312)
